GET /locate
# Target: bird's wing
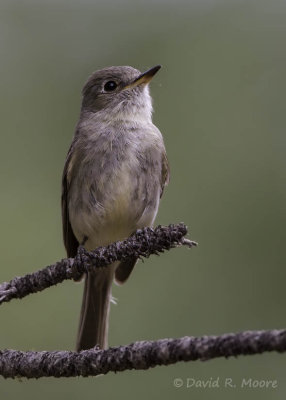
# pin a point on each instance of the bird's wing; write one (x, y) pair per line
(165, 174)
(70, 241)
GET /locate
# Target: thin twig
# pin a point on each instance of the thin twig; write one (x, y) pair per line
(139, 355)
(143, 243)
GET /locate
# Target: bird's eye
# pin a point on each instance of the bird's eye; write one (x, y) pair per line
(110, 86)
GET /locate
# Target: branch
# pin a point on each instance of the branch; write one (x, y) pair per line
(143, 243)
(139, 355)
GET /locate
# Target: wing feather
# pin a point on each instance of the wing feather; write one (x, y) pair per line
(165, 175)
(70, 241)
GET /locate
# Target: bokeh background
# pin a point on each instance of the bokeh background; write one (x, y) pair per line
(220, 102)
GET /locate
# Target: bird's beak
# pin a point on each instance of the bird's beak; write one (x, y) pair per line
(144, 78)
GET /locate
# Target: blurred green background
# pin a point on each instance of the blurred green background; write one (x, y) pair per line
(220, 103)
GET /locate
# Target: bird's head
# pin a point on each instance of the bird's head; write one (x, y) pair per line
(119, 91)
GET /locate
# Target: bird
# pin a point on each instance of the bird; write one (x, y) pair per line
(114, 175)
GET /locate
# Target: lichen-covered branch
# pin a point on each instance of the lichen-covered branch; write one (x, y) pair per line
(143, 243)
(139, 355)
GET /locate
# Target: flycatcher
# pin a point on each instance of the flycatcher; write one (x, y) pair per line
(115, 173)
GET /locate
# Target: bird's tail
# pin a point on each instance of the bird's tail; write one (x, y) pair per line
(94, 316)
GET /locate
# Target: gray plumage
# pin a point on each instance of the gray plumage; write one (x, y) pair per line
(113, 178)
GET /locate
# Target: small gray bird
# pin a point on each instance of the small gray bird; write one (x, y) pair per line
(115, 173)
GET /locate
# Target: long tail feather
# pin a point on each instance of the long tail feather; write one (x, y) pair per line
(94, 317)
